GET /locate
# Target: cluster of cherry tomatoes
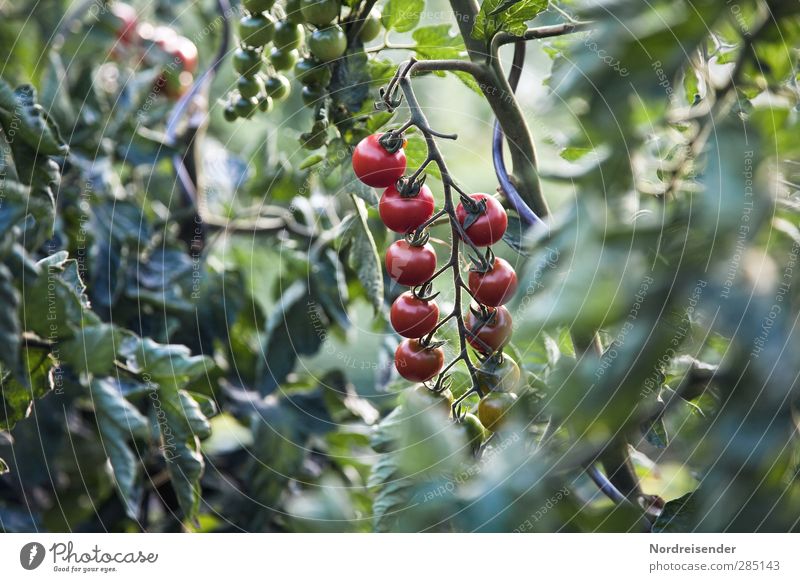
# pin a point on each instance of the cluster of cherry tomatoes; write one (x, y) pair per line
(275, 44)
(154, 45)
(406, 207)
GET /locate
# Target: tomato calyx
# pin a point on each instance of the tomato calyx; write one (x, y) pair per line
(425, 292)
(408, 188)
(482, 314)
(417, 238)
(474, 208)
(482, 264)
(389, 102)
(484, 317)
(392, 142)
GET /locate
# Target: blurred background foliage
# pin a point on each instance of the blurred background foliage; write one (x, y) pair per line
(249, 386)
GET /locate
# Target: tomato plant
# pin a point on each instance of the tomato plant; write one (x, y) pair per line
(246, 282)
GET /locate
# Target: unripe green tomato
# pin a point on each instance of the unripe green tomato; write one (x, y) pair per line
(312, 94)
(249, 86)
(288, 36)
(282, 60)
(372, 26)
(245, 107)
(425, 397)
(320, 12)
(256, 6)
(256, 30)
(229, 113)
(294, 14)
(246, 62)
(277, 87)
(328, 44)
(494, 408)
(499, 374)
(473, 431)
(309, 71)
(265, 103)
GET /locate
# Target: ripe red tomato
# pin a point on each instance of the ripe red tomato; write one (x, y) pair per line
(127, 22)
(494, 407)
(164, 37)
(413, 317)
(410, 265)
(418, 363)
(496, 286)
(405, 213)
(185, 51)
(492, 335)
(490, 226)
(374, 165)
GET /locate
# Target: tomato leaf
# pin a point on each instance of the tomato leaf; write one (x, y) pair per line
(437, 42)
(508, 16)
(118, 421)
(402, 15)
(677, 515)
(363, 257)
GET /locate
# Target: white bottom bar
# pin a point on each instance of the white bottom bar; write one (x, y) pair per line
(388, 558)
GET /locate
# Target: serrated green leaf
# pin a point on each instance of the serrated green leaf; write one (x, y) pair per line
(164, 362)
(417, 152)
(573, 154)
(118, 421)
(10, 326)
(468, 80)
(296, 327)
(402, 15)
(18, 108)
(656, 434)
(363, 257)
(507, 16)
(678, 515)
(92, 350)
(16, 396)
(310, 161)
(437, 42)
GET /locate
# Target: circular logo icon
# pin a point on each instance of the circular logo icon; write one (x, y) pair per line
(31, 555)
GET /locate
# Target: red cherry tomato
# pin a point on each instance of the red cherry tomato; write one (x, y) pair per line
(126, 31)
(374, 165)
(492, 335)
(496, 286)
(405, 213)
(490, 226)
(185, 51)
(165, 38)
(410, 265)
(416, 362)
(413, 317)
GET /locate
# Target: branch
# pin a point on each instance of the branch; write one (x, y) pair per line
(540, 32)
(420, 121)
(501, 99)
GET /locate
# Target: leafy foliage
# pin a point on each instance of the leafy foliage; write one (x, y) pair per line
(217, 357)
